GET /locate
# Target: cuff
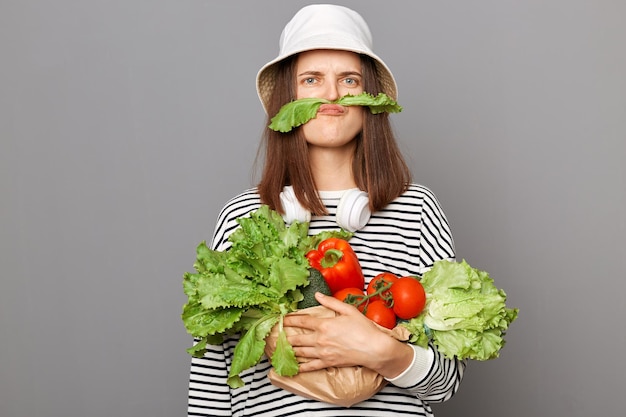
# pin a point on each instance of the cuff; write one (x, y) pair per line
(417, 370)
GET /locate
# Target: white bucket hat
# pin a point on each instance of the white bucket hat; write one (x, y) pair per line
(324, 26)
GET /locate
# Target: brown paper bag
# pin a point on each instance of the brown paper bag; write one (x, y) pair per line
(340, 386)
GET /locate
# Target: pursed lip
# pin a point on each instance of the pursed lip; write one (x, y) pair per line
(331, 109)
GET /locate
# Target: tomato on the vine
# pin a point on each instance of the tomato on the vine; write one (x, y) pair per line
(380, 281)
(351, 296)
(380, 314)
(409, 297)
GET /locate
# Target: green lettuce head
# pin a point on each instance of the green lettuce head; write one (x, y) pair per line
(465, 314)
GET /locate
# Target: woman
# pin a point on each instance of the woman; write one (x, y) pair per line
(340, 169)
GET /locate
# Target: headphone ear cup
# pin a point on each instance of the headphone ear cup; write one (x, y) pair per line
(353, 211)
(293, 210)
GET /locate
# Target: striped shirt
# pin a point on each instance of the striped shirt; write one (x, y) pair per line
(405, 238)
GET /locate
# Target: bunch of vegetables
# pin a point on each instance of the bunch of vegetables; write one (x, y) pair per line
(272, 269)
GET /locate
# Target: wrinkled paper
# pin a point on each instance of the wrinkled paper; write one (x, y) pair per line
(343, 386)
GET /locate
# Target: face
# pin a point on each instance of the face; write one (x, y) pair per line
(330, 74)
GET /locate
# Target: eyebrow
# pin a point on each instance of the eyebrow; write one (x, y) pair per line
(343, 74)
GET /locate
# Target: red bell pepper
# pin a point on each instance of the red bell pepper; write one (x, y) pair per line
(338, 263)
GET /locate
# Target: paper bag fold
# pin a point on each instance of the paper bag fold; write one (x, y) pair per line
(344, 386)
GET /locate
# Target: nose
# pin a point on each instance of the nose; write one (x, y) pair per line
(331, 91)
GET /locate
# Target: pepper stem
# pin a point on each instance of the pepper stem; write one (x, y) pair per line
(331, 258)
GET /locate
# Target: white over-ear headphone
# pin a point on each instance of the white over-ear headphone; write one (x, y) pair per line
(353, 211)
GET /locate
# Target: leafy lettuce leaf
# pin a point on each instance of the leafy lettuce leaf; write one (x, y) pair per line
(284, 358)
(465, 314)
(300, 111)
(250, 348)
(247, 288)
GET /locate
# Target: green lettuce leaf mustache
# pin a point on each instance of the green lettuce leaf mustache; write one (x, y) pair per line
(300, 111)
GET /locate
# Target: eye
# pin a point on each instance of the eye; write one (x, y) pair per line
(351, 82)
(309, 81)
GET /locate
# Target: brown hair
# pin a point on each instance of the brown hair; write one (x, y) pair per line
(378, 166)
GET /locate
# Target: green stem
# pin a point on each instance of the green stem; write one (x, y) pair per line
(331, 258)
(379, 291)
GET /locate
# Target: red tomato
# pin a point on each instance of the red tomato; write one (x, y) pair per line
(378, 282)
(380, 314)
(351, 296)
(409, 297)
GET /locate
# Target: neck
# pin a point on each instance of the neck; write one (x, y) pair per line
(332, 168)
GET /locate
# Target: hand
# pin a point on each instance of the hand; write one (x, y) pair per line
(348, 339)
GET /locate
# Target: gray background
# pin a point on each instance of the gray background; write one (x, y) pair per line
(126, 124)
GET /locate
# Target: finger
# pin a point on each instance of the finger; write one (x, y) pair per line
(336, 305)
(305, 354)
(304, 321)
(303, 339)
(312, 365)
